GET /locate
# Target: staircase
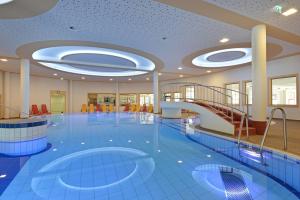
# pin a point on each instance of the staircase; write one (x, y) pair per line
(216, 99)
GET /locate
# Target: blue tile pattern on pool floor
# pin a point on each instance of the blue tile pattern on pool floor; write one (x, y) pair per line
(133, 156)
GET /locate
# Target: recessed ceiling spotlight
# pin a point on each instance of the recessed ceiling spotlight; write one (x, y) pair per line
(208, 71)
(2, 2)
(55, 74)
(83, 78)
(129, 79)
(159, 74)
(224, 40)
(111, 79)
(147, 78)
(180, 75)
(180, 68)
(290, 12)
(61, 78)
(3, 59)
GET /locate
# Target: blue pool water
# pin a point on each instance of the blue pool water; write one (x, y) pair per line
(139, 156)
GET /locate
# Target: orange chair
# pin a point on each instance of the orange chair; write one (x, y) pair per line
(83, 108)
(91, 108)
(111, 108)
(144, 108)
(150, 108)
(103, 107)
(138, 108)
(98, 108)
(35, 110)
(45, 110)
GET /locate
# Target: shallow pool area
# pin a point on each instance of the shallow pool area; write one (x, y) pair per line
(142, 156)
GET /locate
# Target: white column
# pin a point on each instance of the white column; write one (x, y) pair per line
(156, 92)
(24, 88)
(259, 73)
(117, 97)
(6, 100)
(70, 109)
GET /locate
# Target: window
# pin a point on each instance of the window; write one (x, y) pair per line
(99, 98)
(127, 99)
(284, 91)
(177, 96)
(190, 92)
(167, 97)
(248, 87)
(146, 99)
(233, 91)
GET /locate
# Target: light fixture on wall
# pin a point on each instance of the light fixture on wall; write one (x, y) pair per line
(61, 78)
(111, 79)
(159, 74)
(147, 78)
(129, 79)
(55, 74)
(82, 78)
(289, 12)
(2, 2)
(180, 68)
(3, 60)
(224, 40)
(180, 75)
(208, 71)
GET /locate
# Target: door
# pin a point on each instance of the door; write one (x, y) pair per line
(58, 102)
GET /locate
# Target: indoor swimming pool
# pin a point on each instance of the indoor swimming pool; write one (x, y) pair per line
(142, 156)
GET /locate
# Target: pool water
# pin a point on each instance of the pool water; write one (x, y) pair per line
(131, 156)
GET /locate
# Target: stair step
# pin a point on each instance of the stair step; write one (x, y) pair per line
(251, 130)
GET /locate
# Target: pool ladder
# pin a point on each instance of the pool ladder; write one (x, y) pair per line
(268, 126)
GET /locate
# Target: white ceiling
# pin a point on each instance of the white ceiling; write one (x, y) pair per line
(262, 10)
(130, 23)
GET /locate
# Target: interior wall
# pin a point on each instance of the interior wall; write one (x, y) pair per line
(280, 67)
(1, 93)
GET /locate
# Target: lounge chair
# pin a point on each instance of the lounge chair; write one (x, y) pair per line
(91, 108)
(127, 106)
(35, 110)
(45, 110)
(103, 107)
(84, 108)
(111, 108)
(98, 108)
(150, 108)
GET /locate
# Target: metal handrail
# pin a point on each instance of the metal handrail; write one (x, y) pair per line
(268, 126)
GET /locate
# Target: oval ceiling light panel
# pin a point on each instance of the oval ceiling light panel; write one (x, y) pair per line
(59, 53)
(2, 2)
(203, 60)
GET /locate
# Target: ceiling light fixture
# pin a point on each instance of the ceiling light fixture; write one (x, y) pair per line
(159, 74)
(55, 74)
(290, 11)
(62, 78)
(180, 68)
(83, 78)
(180, 75)
(203, 60)
(3, 59)
(208, 71)
(111, 79)
(129, 79)
(224, 40)
(147, 78)
(2, 2)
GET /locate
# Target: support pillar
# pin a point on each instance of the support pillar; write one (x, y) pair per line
(24, 88)
(259, 77)
(156, 92)
(70, 109)
(117, 97)
(6, 99)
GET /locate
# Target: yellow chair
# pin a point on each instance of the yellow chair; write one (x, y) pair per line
(132, 108)
(103, 108)
(111, 108)
(83, 108)
(150, 108)
(138, 108)
(92, 108)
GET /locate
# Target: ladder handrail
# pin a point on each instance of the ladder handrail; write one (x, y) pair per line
(268, 126)
(244, 117)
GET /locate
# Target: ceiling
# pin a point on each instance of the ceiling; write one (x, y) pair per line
(165, 31)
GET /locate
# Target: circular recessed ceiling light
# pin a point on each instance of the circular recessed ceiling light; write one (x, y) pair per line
(224, 40)
(2, 2)
(62, 78)
(55, 74)
(129, 79)
(159, 74)
(203, 60)
(57, 54)
(3, 59)
(111, 79)
(180, 68)
(83, 78)
(180, 75)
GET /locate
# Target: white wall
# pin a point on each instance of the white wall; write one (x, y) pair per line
(280, 67)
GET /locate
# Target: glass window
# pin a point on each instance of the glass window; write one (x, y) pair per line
(127, 99)
(146, 99)
(99, 98)
(177, 96)
(248, 86)
(284, 91)
(167, 97)
(190, 92)
(233, 91)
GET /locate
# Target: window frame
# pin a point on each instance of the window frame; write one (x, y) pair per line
(194, 95)
(270, 79)
(231, 83)
(245, 91)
